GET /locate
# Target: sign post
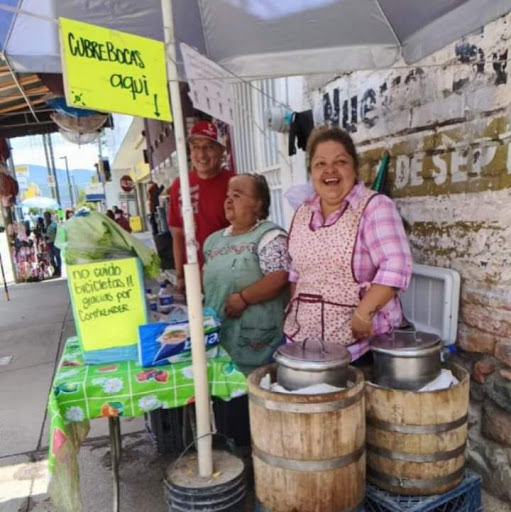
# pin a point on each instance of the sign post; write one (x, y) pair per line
(114, 71)
(192, 271)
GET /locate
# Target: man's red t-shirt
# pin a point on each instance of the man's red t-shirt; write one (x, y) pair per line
(208, 198)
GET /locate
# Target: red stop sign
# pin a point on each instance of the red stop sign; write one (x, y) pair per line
(127, 183)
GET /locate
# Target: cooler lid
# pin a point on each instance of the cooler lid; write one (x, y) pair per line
(405, 341)
(431, 302)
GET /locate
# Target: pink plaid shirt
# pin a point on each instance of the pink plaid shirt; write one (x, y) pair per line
(382, 254)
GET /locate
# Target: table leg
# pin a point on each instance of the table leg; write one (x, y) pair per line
(114, 426)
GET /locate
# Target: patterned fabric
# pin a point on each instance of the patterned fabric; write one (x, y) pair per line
(273, 255)
(358, 349)
(382, 253)
(83, 392)
(326, 293)
(272, 250)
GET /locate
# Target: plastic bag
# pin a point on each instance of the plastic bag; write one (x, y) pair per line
(91, 236)
(298, 194)
(177, 313)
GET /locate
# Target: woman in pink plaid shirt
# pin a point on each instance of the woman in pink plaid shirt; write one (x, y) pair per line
(349, 252)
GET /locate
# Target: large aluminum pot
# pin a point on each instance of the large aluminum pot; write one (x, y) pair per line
(301, 365)
(406, 360)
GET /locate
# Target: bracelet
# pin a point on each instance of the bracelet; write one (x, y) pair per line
(357, 314)
(243, 299)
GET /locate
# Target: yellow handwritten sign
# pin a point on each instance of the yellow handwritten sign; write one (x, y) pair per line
(114, 71)
(108, 302)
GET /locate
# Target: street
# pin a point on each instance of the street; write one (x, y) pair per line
(34, 326)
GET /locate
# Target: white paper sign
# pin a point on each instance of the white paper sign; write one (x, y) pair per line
(210, 91)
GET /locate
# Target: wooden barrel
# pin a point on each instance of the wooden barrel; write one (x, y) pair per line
(416, 441)
(308, 450)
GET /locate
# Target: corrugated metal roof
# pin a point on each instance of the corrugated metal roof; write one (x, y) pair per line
(23, 109)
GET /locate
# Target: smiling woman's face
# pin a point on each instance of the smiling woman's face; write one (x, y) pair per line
(333, 172)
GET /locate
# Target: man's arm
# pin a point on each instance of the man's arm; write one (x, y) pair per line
(178, 246)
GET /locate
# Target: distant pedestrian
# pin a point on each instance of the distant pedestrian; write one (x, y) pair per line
(153, 193)
(39, 230)
(121, 219)
(50, 236)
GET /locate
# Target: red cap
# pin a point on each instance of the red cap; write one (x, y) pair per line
(205, 130)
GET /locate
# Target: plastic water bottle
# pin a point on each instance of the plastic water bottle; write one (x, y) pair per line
(152, 302)
(164, 299)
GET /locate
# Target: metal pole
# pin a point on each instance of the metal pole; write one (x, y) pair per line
(75, 190)
(69, 182)
(115, 453)
(192, 272)
(101, 174)
(48, 167)
(52, 160)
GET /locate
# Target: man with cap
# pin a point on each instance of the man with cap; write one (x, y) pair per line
(208, 189)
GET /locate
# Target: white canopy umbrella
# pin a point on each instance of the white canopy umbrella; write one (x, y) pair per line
(259, 37)
(43, 203)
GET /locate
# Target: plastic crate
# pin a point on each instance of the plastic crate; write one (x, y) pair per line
(466, 497)
(172, 430)
(169, 430)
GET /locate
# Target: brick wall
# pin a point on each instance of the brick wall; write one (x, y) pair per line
(447, 125)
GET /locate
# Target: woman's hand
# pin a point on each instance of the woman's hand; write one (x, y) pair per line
(180, 285)
(361, 325)
(376, 297)
(234, 305)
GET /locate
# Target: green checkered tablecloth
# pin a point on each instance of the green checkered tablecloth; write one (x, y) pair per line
(83, 392)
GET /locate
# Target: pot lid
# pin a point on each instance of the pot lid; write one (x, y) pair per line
(410, 342)
(313, 355)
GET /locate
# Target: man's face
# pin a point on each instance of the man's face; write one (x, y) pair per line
(47, 218)
(206, 156)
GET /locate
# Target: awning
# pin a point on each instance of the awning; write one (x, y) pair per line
(251, 38)
(260, 37)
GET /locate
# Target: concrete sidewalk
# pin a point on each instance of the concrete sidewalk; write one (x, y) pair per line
(33, 328)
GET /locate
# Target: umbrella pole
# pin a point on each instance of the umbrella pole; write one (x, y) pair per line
(192, 271)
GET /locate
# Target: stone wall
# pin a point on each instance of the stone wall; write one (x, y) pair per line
(447, 125)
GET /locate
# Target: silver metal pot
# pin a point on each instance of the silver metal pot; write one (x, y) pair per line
(301, 365)
(406, 360)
